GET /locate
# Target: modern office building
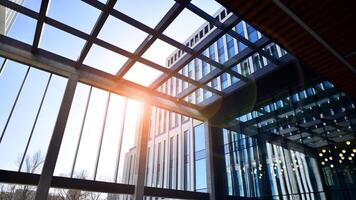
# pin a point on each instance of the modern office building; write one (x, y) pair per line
(177, 100)
(176, 149)
(7, 17)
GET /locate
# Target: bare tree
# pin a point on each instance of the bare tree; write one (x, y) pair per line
(72, 194)
(32, 164)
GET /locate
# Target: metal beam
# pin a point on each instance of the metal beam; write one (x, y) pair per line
(174, 194)
(56, 140)
(22, 178)
(215, 163)
(105, 44)
(40, 22)
(142, 145)
(21, 52)
(157, 32)
(95, 32)
(160, 27)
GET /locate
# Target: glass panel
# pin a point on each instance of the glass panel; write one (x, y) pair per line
(184, 26)
(72, 12)
(210, 7)
(71, 134)
(142, 74)
(147, 12)
(15, 24)
(95, 147)
(122, 34)
(111, 139)
(199, 138)
(200, 161)
(11, 78)
(104, 59)
(127, 156)
(47, 118)
(33, 117)
(31, 4)
(158, 52)
(90, 137)
(69, 47)
(20, 124)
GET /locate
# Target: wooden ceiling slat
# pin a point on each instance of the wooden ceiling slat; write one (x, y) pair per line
(331, 20)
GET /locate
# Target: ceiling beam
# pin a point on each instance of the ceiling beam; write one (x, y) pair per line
(21, 52)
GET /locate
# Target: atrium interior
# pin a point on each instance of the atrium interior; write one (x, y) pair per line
(177, 99)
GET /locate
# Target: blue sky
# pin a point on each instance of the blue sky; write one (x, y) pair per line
(83, 17)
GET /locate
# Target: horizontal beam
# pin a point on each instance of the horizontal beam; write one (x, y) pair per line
(273, 139)
(174, 194)
(242, 97)
(12, 177)
(21, 52)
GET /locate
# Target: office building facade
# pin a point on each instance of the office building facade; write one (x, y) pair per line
(176, 153)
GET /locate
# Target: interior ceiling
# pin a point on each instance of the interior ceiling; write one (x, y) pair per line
(332, 21)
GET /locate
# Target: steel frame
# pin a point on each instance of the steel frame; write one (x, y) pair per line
(154, 34)
(97, 186)
(76, 71)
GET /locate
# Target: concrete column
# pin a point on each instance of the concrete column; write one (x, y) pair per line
(56, 140)
(215, 165)
(142, 143)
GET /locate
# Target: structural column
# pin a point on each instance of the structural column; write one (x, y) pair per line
(141, 147)
(56, 140)
(266, 190)
(215, 164)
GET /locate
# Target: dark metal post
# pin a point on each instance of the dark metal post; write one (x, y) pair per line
(215, 164)
(141, 147)
(266, 189)
(56, 140)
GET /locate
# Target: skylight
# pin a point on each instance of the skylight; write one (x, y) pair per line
(182, 37)
(148, 12)
(142, 74)
(74, 13)
(69, 45)
(104, 60)
(122, 34)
